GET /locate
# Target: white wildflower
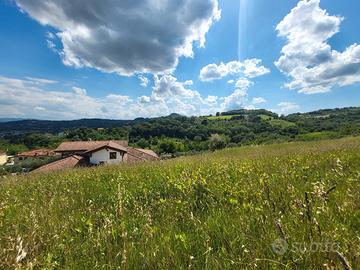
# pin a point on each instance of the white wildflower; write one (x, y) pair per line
(21, 253)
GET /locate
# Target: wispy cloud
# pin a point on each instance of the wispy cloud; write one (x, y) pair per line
(29, 98)
(40, 80)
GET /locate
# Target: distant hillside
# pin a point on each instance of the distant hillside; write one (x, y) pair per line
(22, 126)
(57, 126)
(4, 120)
(176, 134)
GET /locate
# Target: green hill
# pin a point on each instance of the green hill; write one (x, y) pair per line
(176, 134)
(282, 206)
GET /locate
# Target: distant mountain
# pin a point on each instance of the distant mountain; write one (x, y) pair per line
(57, 126)
(174, 115)
(5, 120)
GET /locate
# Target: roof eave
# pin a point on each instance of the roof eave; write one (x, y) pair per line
(103, 147)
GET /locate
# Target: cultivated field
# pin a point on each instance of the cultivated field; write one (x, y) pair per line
(287, 206)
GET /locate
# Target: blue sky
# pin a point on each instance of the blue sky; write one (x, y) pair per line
(66, 61)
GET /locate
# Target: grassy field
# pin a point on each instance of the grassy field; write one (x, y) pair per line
(288, 206)
(277, 122)
(222, 117)
(317, 136)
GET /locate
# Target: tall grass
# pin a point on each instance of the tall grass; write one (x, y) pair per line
(221, 210)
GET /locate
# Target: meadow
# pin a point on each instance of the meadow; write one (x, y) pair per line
(282, 206)
(222, 117)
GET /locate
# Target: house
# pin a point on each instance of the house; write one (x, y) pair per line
(39, 153)
(66, 149)
(90, 153)
(3, 158)
(106, 153)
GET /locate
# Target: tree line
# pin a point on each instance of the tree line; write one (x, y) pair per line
(180, 134)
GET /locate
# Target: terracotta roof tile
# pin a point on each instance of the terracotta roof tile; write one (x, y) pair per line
(142, 154)
(38, 153)
(149, 152)
(85, 145)
(109, 144)
(62, 164)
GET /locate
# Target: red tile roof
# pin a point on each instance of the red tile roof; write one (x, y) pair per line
(62, 164)
(141, 154)
(85, 145)
(149, 152)
(109, 144)
(38, 153)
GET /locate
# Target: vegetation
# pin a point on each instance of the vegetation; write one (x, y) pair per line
(176, 134)
(26, 165)
(275, 121)
(222, 117)
(221, 210)
(12, 148)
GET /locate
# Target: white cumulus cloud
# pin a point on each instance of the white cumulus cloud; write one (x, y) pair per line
(188, 82)
(126, 36)
(79, 91)
(249, 68)
(258, 100)
(168, 86)
(144, 80)
(211, 100)
(239, 98)
(37, 101)
(286, 107)
(243, 83)
(144, 99)
(307, 58)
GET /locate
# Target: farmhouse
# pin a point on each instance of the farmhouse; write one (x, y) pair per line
(91, 153)
(81, 147)
(3, 158)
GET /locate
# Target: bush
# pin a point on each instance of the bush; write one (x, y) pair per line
(142, 143)
(167, 147)
(216, 142)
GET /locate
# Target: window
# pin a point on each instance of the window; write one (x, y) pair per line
(112, 155)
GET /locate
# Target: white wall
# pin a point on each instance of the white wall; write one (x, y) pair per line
(3, 159)
(103, 155)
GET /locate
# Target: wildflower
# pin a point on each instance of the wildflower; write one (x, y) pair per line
(21, 253)
(338, 163)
